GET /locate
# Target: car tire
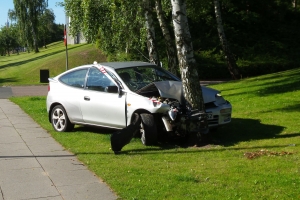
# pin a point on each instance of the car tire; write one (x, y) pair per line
(60, 120)
(148, 129)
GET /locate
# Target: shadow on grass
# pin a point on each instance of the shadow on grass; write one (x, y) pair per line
(242, 130)
(271, 85)
(15, 64)
(239, 130)
(290, 108)
(8, 80)
(93, 129)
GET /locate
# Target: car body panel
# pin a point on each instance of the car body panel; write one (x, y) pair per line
(137, 102)
(68, 97)
(103, 109)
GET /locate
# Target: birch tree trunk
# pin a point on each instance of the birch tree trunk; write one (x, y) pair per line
(187, 63)
(171, 48)
(295, 4)
(231, 63)
(151, 44)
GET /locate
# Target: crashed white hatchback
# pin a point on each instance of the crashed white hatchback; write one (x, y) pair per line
(110, 94)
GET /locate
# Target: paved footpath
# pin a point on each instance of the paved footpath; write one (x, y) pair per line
(34, 166)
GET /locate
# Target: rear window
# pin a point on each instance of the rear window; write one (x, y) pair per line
(74, 78)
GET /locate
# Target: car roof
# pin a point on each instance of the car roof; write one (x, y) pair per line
(120, 65)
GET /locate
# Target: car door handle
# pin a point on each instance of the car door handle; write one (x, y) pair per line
(87, 98)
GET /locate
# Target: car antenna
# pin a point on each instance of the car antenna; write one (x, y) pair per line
(147, 58)
(143, 55)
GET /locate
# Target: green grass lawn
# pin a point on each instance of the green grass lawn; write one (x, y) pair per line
(24, 69)
(256, 156)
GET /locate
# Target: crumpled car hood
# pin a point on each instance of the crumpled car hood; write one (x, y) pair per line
(174, 90)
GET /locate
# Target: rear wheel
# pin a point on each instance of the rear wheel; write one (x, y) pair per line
(148, 129)
(60, 120)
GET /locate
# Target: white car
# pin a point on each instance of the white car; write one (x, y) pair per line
(109, 95)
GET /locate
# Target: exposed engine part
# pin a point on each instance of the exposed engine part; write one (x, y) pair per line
(167, 124)
(173, 113)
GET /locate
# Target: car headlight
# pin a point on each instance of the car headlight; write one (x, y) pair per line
(225, 110)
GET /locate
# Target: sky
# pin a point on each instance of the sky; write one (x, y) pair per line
(5, 5)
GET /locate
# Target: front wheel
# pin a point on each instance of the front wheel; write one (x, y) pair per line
(60, 120)
(148, 129)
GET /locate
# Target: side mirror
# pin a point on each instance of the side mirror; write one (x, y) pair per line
(112, 89)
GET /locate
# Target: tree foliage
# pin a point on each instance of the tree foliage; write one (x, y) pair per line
(48, 31)
(46, 27)
(113, 24)
(27, 13)
(8, 40)
(263, 35)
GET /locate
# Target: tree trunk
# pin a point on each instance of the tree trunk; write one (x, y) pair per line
(171, 48)
(45, 45)
(151, 44)
(35, 45)
(231, 63)
(187, 63)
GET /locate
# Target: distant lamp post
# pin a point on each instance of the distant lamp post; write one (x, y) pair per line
(66, 44)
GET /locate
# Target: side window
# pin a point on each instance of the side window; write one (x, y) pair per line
(96, 80)
(75, 78)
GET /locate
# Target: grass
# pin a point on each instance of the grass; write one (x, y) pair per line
(215, 171)
(24, 69)
(256, 156)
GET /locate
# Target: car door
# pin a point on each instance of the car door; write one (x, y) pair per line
(69, 93)
(100, 107)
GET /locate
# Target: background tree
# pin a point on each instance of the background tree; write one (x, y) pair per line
(8, 40)
(169, 41)
(113, 25)
(2, 43)
(28, 13)
(231, 63)
(260, 33)
(151, 41)
(46, 27)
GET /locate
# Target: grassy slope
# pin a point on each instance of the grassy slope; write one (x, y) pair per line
(265, 124)
(24, 69)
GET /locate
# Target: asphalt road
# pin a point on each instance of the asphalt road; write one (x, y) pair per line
(32, 90)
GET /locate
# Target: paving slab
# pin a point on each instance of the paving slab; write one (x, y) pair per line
(34, 166)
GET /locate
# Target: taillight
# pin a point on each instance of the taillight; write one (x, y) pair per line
(48, 87)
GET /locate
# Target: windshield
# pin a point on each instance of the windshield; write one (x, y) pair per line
(138, 77)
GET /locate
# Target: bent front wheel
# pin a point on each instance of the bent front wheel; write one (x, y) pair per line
(148, 129)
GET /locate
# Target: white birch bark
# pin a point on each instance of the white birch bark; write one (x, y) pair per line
(185, 53)
(153, 55)
(170, 45)
(188, 69)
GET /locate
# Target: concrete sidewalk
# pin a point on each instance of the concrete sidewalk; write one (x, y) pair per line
(34, 166)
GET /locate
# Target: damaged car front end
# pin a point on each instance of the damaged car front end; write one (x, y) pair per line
(178, 116)
(159, 93)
